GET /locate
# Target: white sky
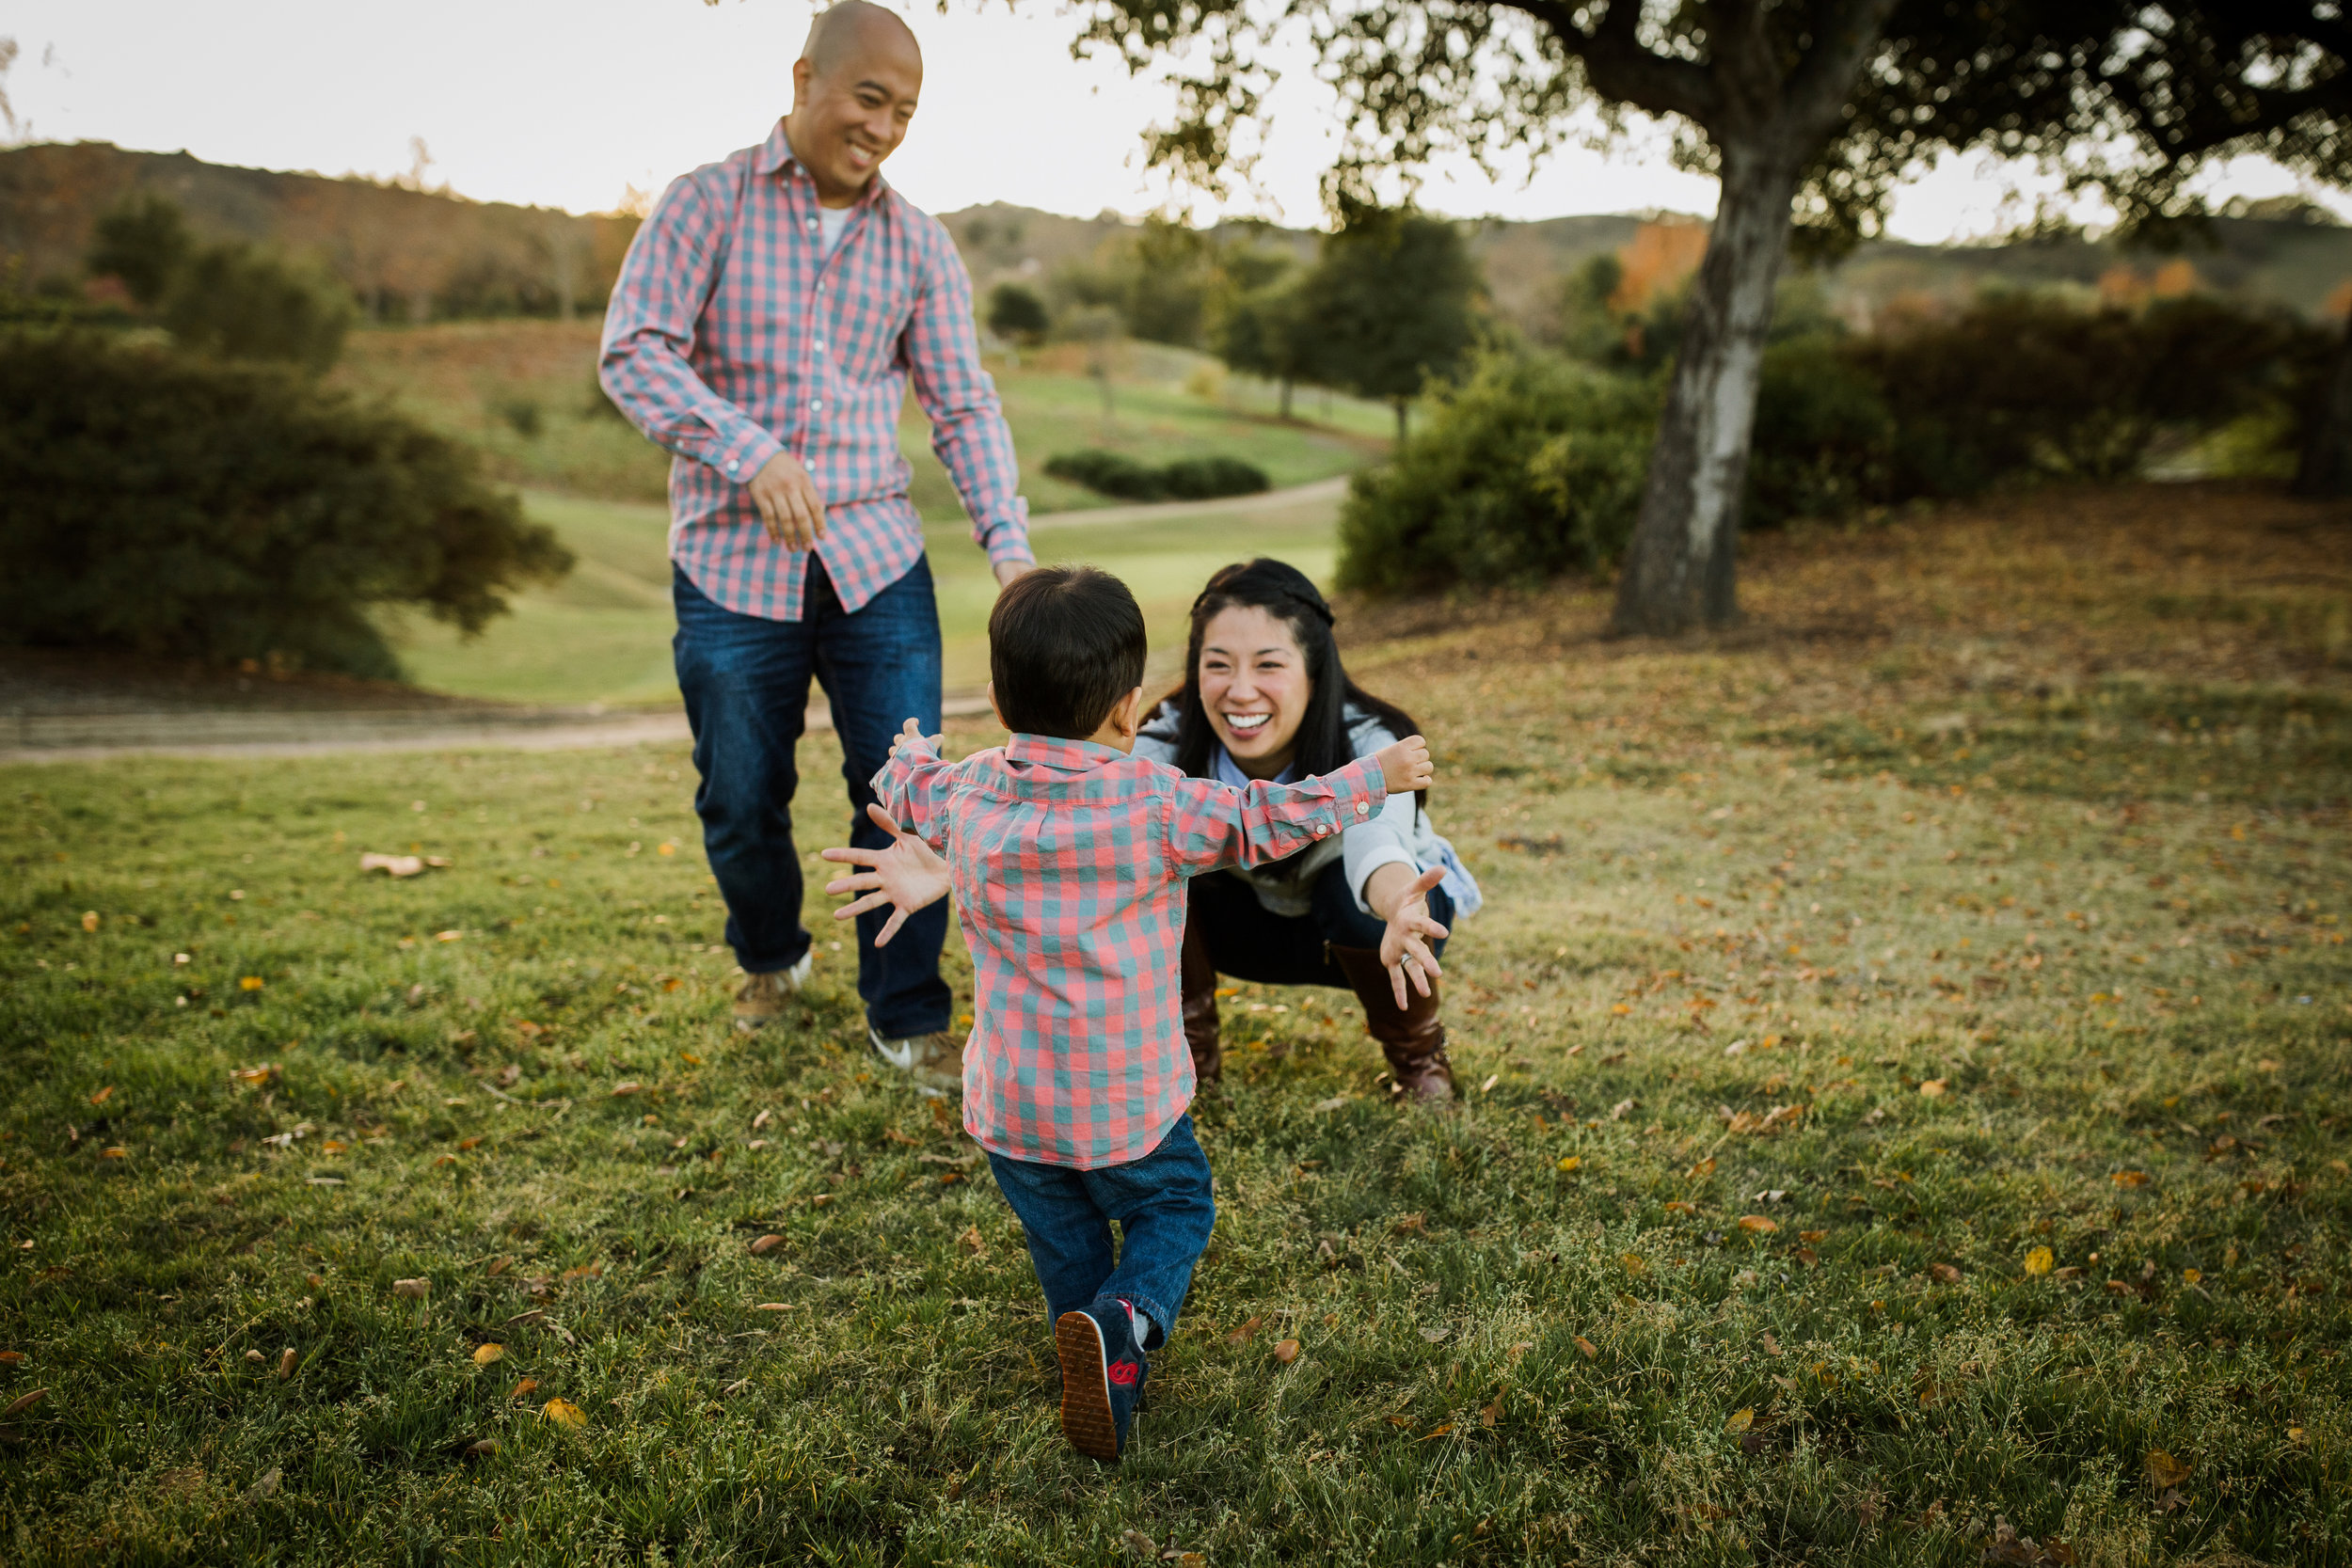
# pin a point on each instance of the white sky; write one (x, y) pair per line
(565, 103)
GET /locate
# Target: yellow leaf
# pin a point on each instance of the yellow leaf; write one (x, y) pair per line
(1591, 1354)
(484, 1355)
(102, 1096)
(89, 921)
(1620, 1009)
(1740, 1420)
(1757, 1223)
(523, 1388)
(2165, 1470)
(1933, 1088)
(2038, 1262)
(2130, 1179)
(1570, 1162)
(563, 1413)
(2195, 1277)
(250, 982)
(1632, 1262)
(1682, 1208)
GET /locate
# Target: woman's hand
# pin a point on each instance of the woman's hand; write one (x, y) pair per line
(907, 875)
(1405, 764)
(1404, 945)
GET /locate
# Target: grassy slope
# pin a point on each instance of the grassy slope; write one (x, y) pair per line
(1168, 403)
(2046, 812)
(603, 634)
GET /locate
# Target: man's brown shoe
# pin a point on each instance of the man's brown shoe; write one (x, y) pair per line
(763, 996)
(934, 1060)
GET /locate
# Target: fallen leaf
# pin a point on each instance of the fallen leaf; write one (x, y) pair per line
(1570, 1162)
(1705, 1168)
(773, 1307)
(631, 1086)
(482, 1449)
(89, 921)
(22, 1402)
(1591, 1352)
(1492, 1413)
(267, 1486)
(412, 1289)
(1335, 1103)
(1286, 1351)
(1436, 1332)
(1813, 1235)
(970, 1241)
(1681, 1207)
(1945, 1273)
(1633, 1263)
(1488, 1086)
(10, 1357)
(1933, 1088)
(484, 1355)
(1758, 1223)
(446, 936)
(391, 866)
(1772, 1346)
(1622, 1109)
(2166, 1471)
(523, 1388)
(1740, 1420)
(251, 982)
(766, 1244)
(102, 1096)
(2193, 1276)
(584, 1270)
(1140, 1543)
(2130, 1179)
(2038, 1260)
(285, 1364)
(1437, 1431)
(563, 1413)
(1241, 1336)
(765, 1116)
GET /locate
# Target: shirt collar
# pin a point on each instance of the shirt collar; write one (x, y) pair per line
(775, 154)
(1063, 756)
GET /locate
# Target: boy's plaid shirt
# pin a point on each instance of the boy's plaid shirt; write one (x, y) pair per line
(731, 336)
(1069, 860)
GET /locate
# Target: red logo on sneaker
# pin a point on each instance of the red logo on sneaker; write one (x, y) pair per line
(1120, 1373)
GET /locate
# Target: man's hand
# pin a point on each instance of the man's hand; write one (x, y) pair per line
(1007, 570)
(789, 502)
(1405, 764)
(910, 739)
(907, 875)
(1404, 945)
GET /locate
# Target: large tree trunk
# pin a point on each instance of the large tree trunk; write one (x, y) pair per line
(2325, 469)
(1679, 569)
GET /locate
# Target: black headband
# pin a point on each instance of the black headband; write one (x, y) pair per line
(1314, 606)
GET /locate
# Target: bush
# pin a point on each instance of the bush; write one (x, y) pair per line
(1531, 466)
(1110, 473)
(238, 303)
(1016, 314)
(175, 505)
(1824, 436)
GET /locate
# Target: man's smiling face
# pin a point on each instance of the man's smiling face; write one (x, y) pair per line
(852, 95)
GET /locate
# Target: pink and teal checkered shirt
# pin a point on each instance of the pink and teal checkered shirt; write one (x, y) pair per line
(732, 337)
(1069, 862)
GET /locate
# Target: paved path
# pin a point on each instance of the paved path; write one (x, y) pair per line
(1323, 492)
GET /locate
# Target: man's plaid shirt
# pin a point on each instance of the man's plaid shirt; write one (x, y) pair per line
(1069, 862)
(732, 337)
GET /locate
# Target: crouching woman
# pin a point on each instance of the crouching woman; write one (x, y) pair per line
(1264, 697)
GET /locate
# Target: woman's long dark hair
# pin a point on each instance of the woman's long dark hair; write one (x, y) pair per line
(1284, 591)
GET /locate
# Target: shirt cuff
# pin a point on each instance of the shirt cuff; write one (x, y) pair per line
(1373, 861)
(1008, 537)
(747, 454)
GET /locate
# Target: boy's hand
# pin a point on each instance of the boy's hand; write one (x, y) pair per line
(908, 740)
(1404, 945)
(1405, 764)
(907, 875)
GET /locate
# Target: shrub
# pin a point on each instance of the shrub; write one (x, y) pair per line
(1533, 466)
(1110, 473)
(176, 505)
(1824, 436)
(238, 303)
(1016, 314)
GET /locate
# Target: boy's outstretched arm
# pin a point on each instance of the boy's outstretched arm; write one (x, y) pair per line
(1211, 825)
(907, 875)
(912, 785)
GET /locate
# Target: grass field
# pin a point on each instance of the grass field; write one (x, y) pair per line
(523, 392)
(1907, 1051)
(602, 635)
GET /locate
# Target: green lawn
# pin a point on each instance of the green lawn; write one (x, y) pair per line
(523, 393)
(1907, 1056)
(603, 634)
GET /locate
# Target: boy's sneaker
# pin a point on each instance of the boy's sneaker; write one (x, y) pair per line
(1102, 1371)
(762, 997)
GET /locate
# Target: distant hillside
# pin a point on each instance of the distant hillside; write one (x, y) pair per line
(408, 254)
(424, 255)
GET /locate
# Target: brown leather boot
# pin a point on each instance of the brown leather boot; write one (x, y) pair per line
(1411, 1037)
(1201, 1027)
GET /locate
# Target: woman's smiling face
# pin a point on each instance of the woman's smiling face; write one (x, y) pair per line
(1254, 686)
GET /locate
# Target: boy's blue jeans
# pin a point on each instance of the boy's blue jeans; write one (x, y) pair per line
(1164, 1210)
(745, 681)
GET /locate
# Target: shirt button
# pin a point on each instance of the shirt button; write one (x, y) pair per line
(1363, 807)
(817, 403)
(732, 467)
(1322, 829)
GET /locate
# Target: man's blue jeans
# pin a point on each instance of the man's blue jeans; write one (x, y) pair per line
(745, 681)
(1164, 1210)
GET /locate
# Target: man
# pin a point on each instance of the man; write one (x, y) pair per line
(764, 327)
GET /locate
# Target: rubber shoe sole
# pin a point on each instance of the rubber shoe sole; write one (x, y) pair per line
(1086, 1388)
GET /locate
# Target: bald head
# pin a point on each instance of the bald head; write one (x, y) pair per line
(847, 31)
(853, 91)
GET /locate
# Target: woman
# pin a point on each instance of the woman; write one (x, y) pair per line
(1264, 697)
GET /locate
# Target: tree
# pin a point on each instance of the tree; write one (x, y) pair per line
(238, 303)
(1016, 314)
(1388, 305)
(144, 241)
(1262, 331)
(1809, 111)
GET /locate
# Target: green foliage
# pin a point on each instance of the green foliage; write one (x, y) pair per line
(1016, 314)
(1262, 332)
(1389, 304)
(1187, 479)
(1531, 466)
(1823, 435)
(165, 503)
(144, 241)
(238, 303)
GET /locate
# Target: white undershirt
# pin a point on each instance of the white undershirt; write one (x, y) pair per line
(832, 221)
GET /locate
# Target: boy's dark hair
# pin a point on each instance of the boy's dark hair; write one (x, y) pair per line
(1065, 643)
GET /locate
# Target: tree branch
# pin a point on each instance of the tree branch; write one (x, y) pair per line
(1843, 37)
(1619, 67)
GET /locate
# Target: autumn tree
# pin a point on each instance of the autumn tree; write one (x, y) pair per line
(1810, 113)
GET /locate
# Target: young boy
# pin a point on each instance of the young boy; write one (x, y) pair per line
(1068, 858)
